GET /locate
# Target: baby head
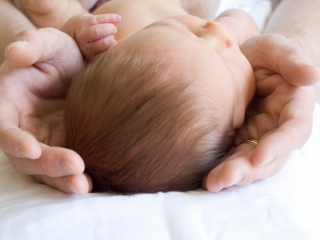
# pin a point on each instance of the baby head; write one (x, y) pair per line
(158, 111)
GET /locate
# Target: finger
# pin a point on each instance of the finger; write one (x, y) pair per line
(108, 18)
(230, 171)
(77, 184)
(26, 49)
(17, 142)
(295, 126)
(279, 142)
(221, 177)
(97, 47)
(91, 20)
(38, 46)
(239, 170)
(276, 53)
(98, 32)
(268, 84)
(54, 162)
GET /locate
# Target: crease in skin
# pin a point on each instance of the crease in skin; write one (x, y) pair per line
(26, 154)
(10, 135)
(8, 116)
(235, 180)
(65, 166)
(39, 130)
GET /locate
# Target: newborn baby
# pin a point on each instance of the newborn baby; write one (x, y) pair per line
(158, 110)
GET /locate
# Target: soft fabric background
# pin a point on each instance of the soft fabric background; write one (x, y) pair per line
(285, 206)
(318, 92)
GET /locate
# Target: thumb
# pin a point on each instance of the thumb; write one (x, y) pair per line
(26, 49)
(276, 53)
(45, 45)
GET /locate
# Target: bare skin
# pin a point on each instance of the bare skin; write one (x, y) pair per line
(241, 162)
(12, 23)
(48, 13)
(291, 127)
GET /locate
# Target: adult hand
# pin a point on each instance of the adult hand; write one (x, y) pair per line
(279, 116)
(33, 85)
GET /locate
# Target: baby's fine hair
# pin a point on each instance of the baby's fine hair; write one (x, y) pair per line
(138, 126)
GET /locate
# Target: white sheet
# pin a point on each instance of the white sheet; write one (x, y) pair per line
(285, 206)
(259, 10)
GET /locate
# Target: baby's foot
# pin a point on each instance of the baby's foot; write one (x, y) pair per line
(51, 13)
(94, 34)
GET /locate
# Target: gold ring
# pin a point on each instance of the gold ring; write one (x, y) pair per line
(252, 142)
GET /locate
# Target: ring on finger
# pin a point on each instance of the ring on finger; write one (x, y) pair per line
(253, 142)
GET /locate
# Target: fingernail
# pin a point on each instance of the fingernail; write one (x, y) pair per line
(236, 180)
(265, 162)
(304, 63)
(66, 167)
(118, 18)
(18, 43)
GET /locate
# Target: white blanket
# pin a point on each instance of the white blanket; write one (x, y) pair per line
(285, 206)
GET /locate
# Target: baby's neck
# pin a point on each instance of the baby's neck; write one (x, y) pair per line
(137, 14)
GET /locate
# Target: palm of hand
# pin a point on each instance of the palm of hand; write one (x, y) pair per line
(280, 115)
(33, 84)
(33, 88)
(39, 107)
(273, 105)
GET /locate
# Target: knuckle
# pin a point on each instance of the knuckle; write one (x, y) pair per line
(43, 168)
(110, 28)
(228, 173)
(93, 20)
(98, 19)
(274, 38)
(80, 27)
(97, 32)
(84, 21)
(103, 18)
